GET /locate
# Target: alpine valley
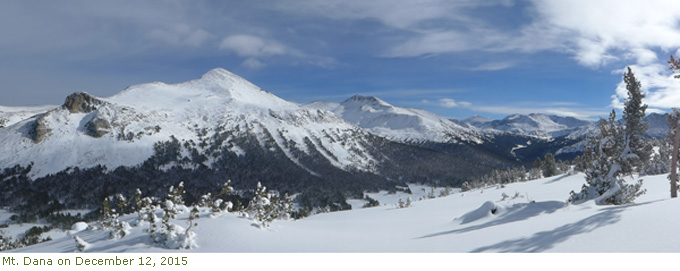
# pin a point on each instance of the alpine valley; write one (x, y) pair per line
(221, 127)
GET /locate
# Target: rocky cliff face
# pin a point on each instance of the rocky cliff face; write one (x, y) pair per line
(81, 102)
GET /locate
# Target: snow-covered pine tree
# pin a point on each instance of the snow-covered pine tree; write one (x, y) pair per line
(261, 206)
(193, 216)
(549, 166)
(620, 151)
(107, 213)
(660, 162)
(122, 204)
(176, 195)
(226, 188)
(538, 164)
(81, 245)
(637, 149)
(137, 201)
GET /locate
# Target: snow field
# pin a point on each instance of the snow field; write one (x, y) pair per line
(532, 218)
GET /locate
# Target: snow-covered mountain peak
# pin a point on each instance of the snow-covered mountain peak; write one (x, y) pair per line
(366, 100)
(121, 130)
(217, 87)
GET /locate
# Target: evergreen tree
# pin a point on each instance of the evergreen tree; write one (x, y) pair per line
(673, 122)
(619, 150)
(261, 206)
(549, 167)
(137, 200)
(660, 163)
(537, 163)
(636, 147)
(674, 135)
(122, 204)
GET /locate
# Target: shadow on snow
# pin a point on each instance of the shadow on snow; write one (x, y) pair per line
(514, 213)
(542, 241)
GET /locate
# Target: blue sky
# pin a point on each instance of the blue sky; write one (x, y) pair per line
(457, 58)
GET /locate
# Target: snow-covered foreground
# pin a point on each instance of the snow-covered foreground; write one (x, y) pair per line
(533, 218)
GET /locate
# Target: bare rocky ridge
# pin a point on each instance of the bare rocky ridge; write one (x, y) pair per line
(81, 102)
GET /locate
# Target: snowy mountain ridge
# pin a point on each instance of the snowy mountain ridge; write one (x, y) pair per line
(539, 125)
(398, 123)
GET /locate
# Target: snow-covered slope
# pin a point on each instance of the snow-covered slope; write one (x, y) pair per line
(121, 130)
(398, 123)
(532, 218)
(12, 114)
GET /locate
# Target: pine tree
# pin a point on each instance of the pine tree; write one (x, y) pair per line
(176, 195)
(537, 163)
(620, 151)
(107, 213)
(122, 204)
(674, 125)
(549, 167)
(674, 135)
(137, 201)
(193, 216)
(261, 206)
(637, 149)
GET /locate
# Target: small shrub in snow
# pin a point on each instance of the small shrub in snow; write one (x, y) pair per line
(267, 207)
(110, 221)
(205, 201)
(406, 204)
(445, 192)
(81, 245)
(504, 196)
(5, 242)
(431, 195)
(169, 234)
(371, 202)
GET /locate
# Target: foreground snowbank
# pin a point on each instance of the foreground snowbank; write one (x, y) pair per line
(521, 217)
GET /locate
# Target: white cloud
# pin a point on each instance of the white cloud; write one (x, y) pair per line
(448, 103)
(252, 46)
(493, 66)
(662, 90)
(401, 14)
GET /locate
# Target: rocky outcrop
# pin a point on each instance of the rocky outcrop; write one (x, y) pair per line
(81, 102)
(98, 127)
(40, 129)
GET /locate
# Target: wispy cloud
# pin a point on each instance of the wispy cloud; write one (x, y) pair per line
(493, 66)
(180, 35)
(448, 103)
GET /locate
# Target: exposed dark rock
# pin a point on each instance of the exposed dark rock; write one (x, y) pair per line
(98, 127)
(40, 129)
(81, 102)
